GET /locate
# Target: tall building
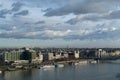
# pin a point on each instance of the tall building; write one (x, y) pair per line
(28, 54)
(12, 55)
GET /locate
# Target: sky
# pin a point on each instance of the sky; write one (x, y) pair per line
(60, 23)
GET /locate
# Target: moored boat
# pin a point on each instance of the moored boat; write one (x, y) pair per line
(11, 68)
(83, 62)
(59, 65)
(93, 61)
(18, 66)
(47, 66)
(0, 72)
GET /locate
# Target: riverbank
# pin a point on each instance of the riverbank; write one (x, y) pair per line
(78, 61)
(5, 67)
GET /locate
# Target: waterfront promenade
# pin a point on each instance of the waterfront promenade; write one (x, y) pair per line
(67, 62)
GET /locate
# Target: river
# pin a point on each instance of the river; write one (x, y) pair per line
(101, 71)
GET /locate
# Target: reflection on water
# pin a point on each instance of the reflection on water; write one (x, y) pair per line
(118, 76)
(102, 71)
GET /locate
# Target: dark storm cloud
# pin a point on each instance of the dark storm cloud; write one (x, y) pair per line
(40, 32)
(39, 22)
(83, 7)
(96, 35)
(72, 21)
(113, 15)
(22, 13)
(95, 17)
(17, 6)
(46, 10)
(103, 35)
(3, 13)
(15, 35)
(79, 18)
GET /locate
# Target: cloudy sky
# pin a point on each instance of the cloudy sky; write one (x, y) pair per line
(60, 23)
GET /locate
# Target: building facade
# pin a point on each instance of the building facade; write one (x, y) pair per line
(12, 56)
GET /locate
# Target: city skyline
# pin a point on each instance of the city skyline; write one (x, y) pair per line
(53, 23)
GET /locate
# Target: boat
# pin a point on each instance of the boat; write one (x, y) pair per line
(47, 66)
(76, 63)
(11, 68)
(83, 62)
(0, 72)
(18, 66)
(59, 65)
(92, 61)
(80, 62)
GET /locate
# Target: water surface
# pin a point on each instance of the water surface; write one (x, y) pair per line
(101, 71)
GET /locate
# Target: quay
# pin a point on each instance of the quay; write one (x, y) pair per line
(5, 67)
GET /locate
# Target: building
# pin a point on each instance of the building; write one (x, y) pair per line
(71, 55)
(17, 55)
(12, 56)
(76, 54)
(57, 55)
(117, 53)
(39, 58)
(64, 55)
(28, 54)
(48, 56)
(102, 53)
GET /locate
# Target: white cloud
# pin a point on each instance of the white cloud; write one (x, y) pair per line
(14, 28)
(52, 33)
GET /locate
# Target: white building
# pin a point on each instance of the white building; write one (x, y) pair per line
(76, 54)
(38, 59)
